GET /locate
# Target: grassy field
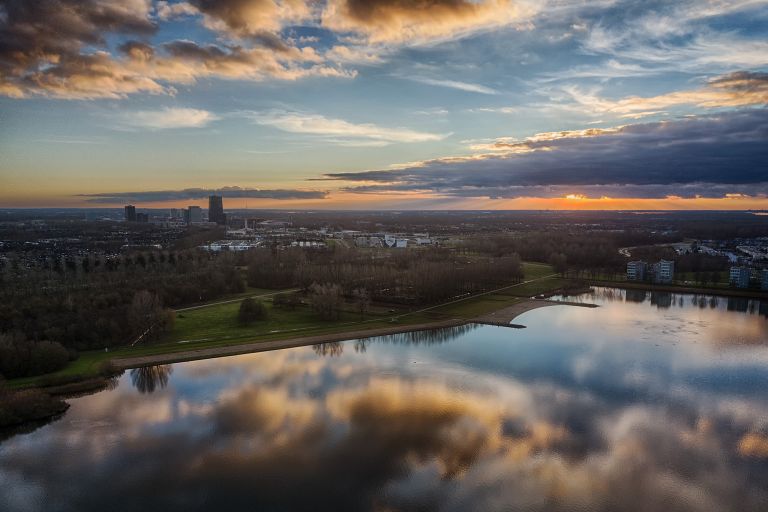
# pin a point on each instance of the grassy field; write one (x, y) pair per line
(216, 324)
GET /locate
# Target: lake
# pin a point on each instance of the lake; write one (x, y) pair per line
(650, 402)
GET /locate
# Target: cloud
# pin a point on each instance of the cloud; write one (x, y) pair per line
(708, 156)
(678, 36)
(453, 84)
(168, 118)
(147, 196)
(315, 124)
(41, 42)
(738, 89)
(168, 10)
(354, 54)
(754, 445)
(251, 17)
(406, 22)
(60, 48)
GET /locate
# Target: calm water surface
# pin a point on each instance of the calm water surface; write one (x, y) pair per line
(648, 403)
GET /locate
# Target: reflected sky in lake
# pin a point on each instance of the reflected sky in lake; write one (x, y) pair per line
(644, 404)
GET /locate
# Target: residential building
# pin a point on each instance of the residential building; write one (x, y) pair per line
(664, 272)
(740, 277)
(637, 270)
(216, 210)
(142, 217)
(130, 213)
(764, 280)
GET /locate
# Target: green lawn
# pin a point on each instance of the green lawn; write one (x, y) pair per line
(536, 270)
(220, 322)
(476, 307)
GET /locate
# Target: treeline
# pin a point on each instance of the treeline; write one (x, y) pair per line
(563, 250)
(93, 303)
(419, 276)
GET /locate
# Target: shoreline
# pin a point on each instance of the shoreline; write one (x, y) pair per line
(693, 290)
(502, 318)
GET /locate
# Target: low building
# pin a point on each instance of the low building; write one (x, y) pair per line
(740, 277)
(636, 270)
(142, 217)
(230, 245)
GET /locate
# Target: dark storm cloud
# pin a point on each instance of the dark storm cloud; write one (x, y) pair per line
(200, 193)
(710, 156)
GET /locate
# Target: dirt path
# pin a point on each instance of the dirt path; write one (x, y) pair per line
(263, 346)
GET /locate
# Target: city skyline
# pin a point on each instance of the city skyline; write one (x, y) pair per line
(385, 104)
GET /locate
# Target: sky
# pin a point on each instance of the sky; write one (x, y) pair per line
(385, 104)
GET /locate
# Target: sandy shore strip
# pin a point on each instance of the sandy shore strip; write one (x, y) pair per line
(506, 315)
(124, 363)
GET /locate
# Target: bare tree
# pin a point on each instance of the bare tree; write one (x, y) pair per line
(362, 301)
(146, 315)
(326, 300)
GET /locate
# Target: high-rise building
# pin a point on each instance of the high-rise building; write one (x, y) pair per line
(194, 215)
(176, 213)
(216, 210)
(130, 213)
(764, 280)
(142, 218)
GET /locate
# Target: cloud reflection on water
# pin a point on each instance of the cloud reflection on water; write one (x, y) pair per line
(567, 414)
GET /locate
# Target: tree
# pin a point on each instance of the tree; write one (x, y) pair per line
(289, 301)
(559, 262)
(146, 315)
(20, 357)
(250, 311)
(362, 301)
(326, 300)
